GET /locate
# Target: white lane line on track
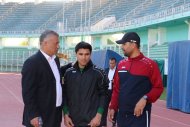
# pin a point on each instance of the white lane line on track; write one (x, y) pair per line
(170, 120)
(10, 73)
(14, 95)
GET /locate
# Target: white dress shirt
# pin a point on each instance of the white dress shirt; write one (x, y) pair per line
(110, 77)
(53, 65)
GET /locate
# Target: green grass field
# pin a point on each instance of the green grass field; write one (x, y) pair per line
(163, 96)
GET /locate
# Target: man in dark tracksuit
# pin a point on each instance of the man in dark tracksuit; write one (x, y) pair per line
(137, 83)
(85, 90)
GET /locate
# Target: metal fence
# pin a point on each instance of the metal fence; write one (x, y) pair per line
(12, 61)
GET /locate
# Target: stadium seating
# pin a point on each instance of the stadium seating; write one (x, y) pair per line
(31, 16)
(159, 51)
(28, 16)
(67, 17)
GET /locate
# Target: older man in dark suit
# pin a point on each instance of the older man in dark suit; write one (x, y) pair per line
(41, 86)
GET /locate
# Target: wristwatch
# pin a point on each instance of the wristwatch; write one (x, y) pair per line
(145, 97)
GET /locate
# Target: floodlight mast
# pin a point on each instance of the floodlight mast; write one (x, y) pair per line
(63, 27)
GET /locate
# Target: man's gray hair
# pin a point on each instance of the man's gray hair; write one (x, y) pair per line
(47, 33)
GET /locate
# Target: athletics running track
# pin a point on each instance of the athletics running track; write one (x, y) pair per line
(11, 107)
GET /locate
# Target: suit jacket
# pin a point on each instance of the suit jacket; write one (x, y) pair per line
(107, 72)
(39, 91)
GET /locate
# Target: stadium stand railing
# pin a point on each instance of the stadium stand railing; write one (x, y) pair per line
(159, 51)
(47, 15)
(12, 58)
(29, 19)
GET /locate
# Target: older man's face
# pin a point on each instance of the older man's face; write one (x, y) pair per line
(51, 44)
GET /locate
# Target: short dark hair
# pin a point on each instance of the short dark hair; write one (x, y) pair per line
(83, 45)
(46, 33)
(113, 58)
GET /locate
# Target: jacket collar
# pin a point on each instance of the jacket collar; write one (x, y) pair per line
(45, 63)
(140, 56)
(90, 64)
(47, 56)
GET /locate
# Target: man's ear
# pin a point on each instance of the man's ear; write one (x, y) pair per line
(135, 45)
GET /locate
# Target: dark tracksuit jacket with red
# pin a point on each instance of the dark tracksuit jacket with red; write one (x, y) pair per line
(134, 78)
